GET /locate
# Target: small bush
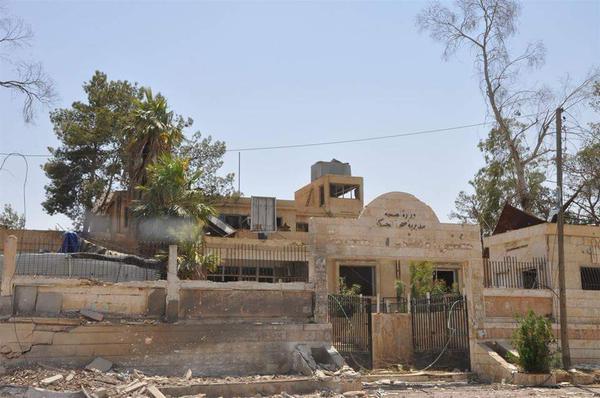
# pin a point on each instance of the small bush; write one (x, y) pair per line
(532, 340)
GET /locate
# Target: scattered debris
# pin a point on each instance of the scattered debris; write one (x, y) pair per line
(155, 392)
(93, 315)
(136, 385)
(70, 376)
(188, 374)
(100, 364)
(51, 380)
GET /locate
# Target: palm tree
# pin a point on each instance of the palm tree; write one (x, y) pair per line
(154, 131)
(168, 192)
(170, 209)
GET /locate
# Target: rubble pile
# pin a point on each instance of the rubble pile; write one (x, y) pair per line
(95, 383)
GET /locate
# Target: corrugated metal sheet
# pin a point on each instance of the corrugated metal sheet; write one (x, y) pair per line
(263, 217)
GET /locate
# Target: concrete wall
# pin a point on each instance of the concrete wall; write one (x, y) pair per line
(506, 304)
(51, 297)
(582, 248)
(247, 300)
(392, 339)
(169, 349)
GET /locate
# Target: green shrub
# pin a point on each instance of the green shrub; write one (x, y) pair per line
(532, 341)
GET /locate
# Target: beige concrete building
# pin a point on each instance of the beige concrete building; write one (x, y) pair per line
(522, 274)
(371, 246)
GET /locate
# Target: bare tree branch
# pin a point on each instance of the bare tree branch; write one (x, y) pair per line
(29, 78)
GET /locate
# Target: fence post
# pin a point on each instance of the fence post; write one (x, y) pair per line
(317, 275)
(172, 305)
(10, 265)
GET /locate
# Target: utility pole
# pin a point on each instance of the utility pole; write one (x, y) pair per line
(560, 227)
(239, 172)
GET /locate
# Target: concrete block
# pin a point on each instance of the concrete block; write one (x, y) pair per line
(157, 302)
(48, 303)
(6, 305)
(172, 311)
(93, 315)
(25, 299)
(100, 364)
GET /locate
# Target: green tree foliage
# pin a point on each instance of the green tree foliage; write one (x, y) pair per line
(206, 155)
(532, 340)
(90, 161)
(154, 130)
(10, 219)
(168, 191)
(519, 147)
(422, 280)
(348, 290)
(583, 174)
(108, 141)
(170, 209)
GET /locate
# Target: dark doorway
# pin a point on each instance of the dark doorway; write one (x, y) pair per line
(448, 276)
(359, 275)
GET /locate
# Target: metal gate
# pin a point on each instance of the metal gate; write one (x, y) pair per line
(441, 331)
(350, 317)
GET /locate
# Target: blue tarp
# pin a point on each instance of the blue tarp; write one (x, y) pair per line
(70, 243)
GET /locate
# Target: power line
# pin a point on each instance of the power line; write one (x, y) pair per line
(8, 155)
(376, 138)
(322, 143)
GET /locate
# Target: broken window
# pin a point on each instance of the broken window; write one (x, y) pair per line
(236, 221)
(321, 195)
(590, 278)
(530, 279)
(449, 277)
(344, 191)
(302, 227)
(359, 275)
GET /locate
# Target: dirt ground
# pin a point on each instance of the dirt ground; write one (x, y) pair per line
(114, 382)
(485, 390)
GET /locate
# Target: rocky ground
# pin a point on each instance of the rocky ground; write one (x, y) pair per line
(115, 383)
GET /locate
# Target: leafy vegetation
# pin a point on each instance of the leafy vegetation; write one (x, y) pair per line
(532, 340)
(422, 280)
(346, 290)
(10, 219)
(170, 210)
(519, 147)
(108, 141)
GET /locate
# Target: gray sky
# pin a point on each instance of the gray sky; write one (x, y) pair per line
(276, 73)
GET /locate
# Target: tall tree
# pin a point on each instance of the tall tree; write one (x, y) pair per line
(583, 174)
(90, 161)
(206, 157)
(26, 78)
(154, 130)
(524, 115)
(108, 143)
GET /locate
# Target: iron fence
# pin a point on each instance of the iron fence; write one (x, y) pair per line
(42, 257)
(512, 274)
(441, 331)
(269, 264)
(350, 318)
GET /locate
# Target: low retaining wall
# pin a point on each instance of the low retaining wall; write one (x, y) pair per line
(51, 297)
(392, 339)
(508, 303)
(208, 349)
(246, 300)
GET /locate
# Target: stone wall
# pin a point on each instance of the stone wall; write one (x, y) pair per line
(214, 349)
(392, 339)
(582, 248)
(52, 297)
